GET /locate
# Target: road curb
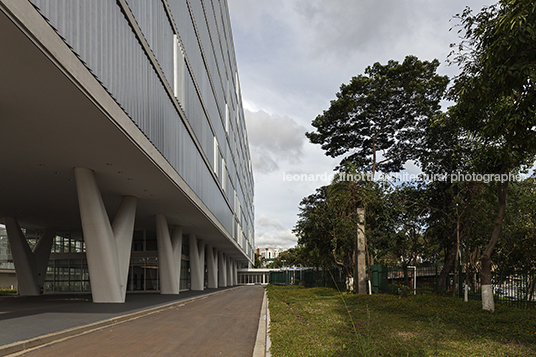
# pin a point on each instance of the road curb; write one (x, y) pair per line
(38, 341)
(262, 332)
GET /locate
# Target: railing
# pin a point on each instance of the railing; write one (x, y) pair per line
(309, 277)
(512, 288)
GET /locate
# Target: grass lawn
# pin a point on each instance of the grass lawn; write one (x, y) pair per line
(323, 322)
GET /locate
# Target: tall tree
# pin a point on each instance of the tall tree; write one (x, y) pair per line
(496, 100)
(377, 119)
(326, 225)
(442, 157)
(516, 247)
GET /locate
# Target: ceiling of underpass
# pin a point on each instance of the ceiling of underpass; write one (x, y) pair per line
(48, 126)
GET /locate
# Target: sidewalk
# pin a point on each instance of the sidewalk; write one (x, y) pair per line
(215, 322)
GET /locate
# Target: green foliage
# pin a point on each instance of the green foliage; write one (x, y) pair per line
(393, 109)
(496, 92)
(381, 111)
(328, 220)
(327, 226)
(8, 292)
(496, 96)
(516, 248)
(290, 257)
(259, 261)
(399, 289)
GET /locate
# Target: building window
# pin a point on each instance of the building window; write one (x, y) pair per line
(179, 65)
(237, 90)
(216, 156)
(223, 175)
(227, 118)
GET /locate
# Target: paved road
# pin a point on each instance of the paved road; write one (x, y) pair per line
(219, 325)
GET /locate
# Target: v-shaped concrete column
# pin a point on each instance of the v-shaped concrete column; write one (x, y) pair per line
(169, 256)
(107, 246)
(212, 267)
(222, 270)
(201, 250)
(234, 272)
(197, 263)
(228, 270)
(176, 244)
(30, 266)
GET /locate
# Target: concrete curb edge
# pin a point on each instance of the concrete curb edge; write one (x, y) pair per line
(262, 332)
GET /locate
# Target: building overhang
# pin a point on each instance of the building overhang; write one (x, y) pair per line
(55, 116)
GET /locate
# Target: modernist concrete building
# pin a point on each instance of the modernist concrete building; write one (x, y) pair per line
(124, 159)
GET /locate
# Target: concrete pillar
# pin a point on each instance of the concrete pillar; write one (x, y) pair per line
(41, 252)
(123, 229)
(167, 269)
(102, 255)
(233, 272)
(176, 244)
(197, 274)
(212, 267)
(201, 250)
(222, 270)
(229, 272)
(30, 266)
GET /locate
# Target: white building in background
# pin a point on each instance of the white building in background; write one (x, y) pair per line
(124, 148)
(268, 253)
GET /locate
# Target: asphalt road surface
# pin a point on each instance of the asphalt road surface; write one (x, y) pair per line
(220, 325)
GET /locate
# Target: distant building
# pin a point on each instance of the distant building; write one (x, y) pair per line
(269, 253)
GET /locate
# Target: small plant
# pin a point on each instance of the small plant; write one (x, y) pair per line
(399, 289)
(4, 291)
(365, 346)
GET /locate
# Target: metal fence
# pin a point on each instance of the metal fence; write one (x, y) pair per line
(510, 288)
(411, 280)
(332, 277)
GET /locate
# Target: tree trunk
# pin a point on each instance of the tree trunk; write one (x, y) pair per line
(360, 256)
(447, 267)
(456, 287)
(485, 259)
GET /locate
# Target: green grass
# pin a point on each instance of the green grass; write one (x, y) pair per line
(322, 322)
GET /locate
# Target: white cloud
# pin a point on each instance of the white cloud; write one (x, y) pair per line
(270, 232)
(282, 239)
(264, 221)
(273, 139)
(293, 55)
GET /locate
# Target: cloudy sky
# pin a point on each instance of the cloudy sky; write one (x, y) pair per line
(292, 56)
